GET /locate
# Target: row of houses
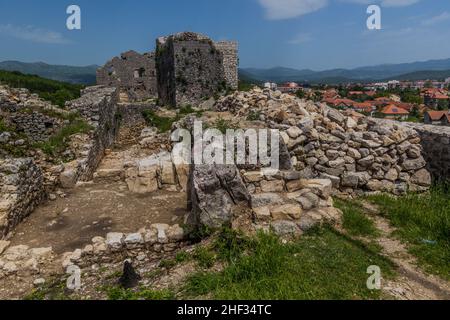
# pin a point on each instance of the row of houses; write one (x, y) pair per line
(436, 98)
(420, 84)
(385, 106)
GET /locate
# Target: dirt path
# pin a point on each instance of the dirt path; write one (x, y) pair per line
(413, 283)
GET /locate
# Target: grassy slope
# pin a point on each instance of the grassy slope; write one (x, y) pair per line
(54, 91)
(423, 221)
(323, 265)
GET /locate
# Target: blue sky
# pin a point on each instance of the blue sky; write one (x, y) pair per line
(314, 34)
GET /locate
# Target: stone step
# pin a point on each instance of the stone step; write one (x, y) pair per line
(109, 174)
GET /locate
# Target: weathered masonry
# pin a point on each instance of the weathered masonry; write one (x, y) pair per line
(435, 141)
(191, 67)
(186, 68)
(133, 73)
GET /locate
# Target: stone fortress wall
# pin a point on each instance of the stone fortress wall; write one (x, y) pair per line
(186, 68)
(133, 73)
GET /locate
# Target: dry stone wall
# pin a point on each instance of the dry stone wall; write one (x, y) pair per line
(98, 106)
(435, 141)
(356, 154)
(21, 190)
(35, 125)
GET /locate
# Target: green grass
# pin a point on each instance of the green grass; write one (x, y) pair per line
(322, 265)
(118, 293)
(4, 127)
(223, 125)
(355, 222)
(423, 221)
(58, 143)
(163, 124)
(54, 91)
(187, 110)
(55, 289)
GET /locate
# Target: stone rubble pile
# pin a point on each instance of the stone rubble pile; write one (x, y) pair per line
(357, 155)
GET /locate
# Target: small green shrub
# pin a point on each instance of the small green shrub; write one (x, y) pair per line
(163, 124)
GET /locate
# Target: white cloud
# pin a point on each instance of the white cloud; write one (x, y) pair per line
(398, 3)
(300, 38)
(436, 19)
(33, 34)
(287, 9)
(385, 3)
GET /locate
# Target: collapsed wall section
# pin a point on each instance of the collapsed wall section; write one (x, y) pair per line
(133, 73)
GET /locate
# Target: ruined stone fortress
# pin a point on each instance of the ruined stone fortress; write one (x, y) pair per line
(185, 69)
(117, 192)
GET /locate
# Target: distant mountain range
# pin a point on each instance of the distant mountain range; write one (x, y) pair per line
(432, 69)
(77, 75)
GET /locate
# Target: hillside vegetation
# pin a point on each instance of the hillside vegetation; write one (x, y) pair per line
(54, 91)
(72, 74)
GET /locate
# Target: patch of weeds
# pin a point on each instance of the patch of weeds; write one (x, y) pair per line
(54, 290)
(163, 124)
(168, 263)
(57, 144)
(223, 125)
(4, 127)
(118, 293)
(230, 244)
(254, 115)
(187, 110)
(151, 275)
(182, 256)
(200, 233)
(423, 221)
(205, 257)
(355, 222)
(320, 265)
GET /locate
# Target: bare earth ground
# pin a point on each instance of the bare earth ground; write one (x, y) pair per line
(94, 210)
(105, 205)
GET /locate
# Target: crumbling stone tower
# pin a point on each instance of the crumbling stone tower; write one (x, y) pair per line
(191, 67)
(186, 69)
(133, 73)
